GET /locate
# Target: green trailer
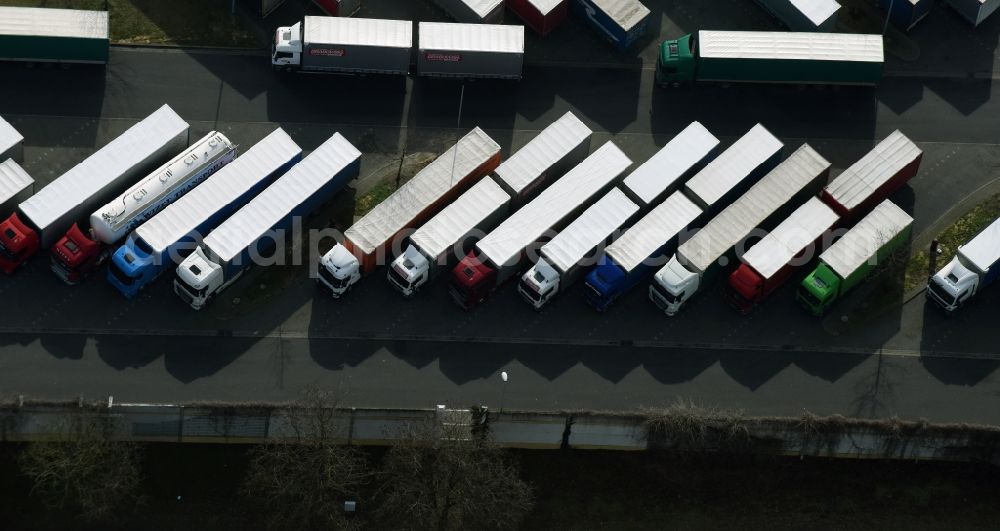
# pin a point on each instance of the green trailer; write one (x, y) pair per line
(771, 57)
(849, 261)
(34, 34)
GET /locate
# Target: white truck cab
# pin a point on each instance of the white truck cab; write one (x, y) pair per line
(339, 270)
(286, 54)
(953, 285)
(409, 271)
(539, 284)
(197, 279)
(672, 286)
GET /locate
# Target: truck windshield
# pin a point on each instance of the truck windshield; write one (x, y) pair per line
(529, 291)
(667, 296)
(120, 275)
(810, 298)
(593, 292)
(941, 294)
(398, 279)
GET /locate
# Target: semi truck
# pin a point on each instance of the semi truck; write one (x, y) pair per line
(975, 266)
(470, 50)
(804, 15)
(338, 8)
(621, 22)
(368, 242)
(772, 260)
(542, 16)
(452, 232)
(43, 35)
(734, 171)
(44, 217)
(854, 257)
(975, 11)
(473, 11)
(804, 58)
(905, 14)
(716, 245)
(170, 235)
(85, 247)
(11, 142)
(498, 256)
(253, 231)
(344, 45)
(15, 186)
(873, 178)
(563, 258)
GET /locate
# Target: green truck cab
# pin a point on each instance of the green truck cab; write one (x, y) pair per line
(676, 64)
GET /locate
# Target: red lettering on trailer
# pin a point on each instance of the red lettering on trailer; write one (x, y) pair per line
(328, 52)
(448, 57)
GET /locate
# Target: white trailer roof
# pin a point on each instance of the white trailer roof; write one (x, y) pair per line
(471, 37)
(13, 180)
(359, 31)
(104, 167)
(425, 188)
(53, 22)
(577, 187)
(858, 182)
(537, 156)
(764, 198)
(983, 250)
(625, 13)
(671, 162)
(183, 216)
(654, 230)
(278, 200)
(862, 242)
(482, 8)
(788, 239)
(545, 6)
(457, 219)
(733, 165)
(589, 230)
(9, 137)
(817, 11)
(805, 46)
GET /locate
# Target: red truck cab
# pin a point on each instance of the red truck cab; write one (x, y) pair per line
(471, 281)
(18, 242)
(747, 288)
(76, 255)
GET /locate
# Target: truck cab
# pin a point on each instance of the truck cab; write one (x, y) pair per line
(676, 63)
(471, 281)
(339, 270)
(286, 52)
(539, 284)
(76, 255)
(17, 243)
(818, 291)
(745, 288)
(672, 286)
(953, 285)
(132, 266)
(409, 271)
(197, 279)
(603, 284)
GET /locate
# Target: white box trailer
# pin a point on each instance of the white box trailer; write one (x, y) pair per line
(799, 176)
(559, 147)
(15, 186)
(344, 45)
(575, 248)
(38, 34)
(473, 11)
(11, 142)
(684, 155)
(975, 11)
(470, 50)
(804, 15)
(735, 170)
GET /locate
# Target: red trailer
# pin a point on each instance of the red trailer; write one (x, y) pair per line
(338, 8)
(540, 15)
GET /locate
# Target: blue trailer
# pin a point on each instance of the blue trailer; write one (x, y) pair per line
(620, 21)
(904, 14)
(173, 233)
(253, 232)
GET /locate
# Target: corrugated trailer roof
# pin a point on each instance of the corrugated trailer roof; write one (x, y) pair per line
(768, 195)
(471, 37)
(13, 180)
(460, 217)
(547, 148)
(733, 165)
(278, 200)
(73, 23)
(984, 249)
(817, 11)
(787, 45)
(545, 6)
(482, 8)
(359, 31)
(589, 230)
(864, 177)
(654, 230)
(626, 13)
(862, 242)
(104, 167)
(528, 224)
(423, 190)
(788, 239)
(183, 216)
(9, 137)
(671, 162)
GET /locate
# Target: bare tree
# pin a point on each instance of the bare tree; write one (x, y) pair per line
(302, 478)
(441, 477)
(84, 469)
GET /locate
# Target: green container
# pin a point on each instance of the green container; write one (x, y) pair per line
(53, 35)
